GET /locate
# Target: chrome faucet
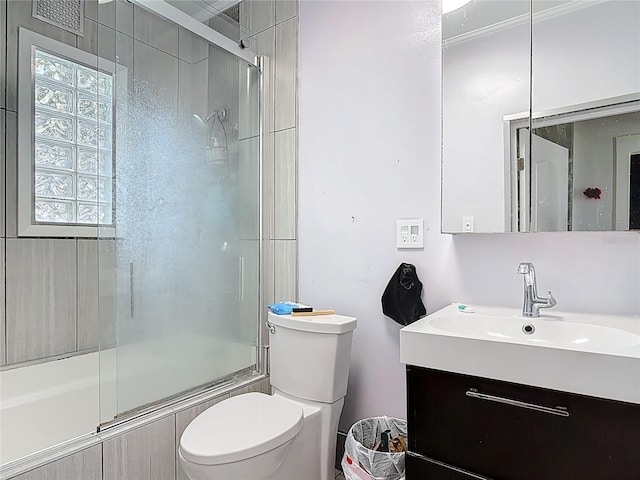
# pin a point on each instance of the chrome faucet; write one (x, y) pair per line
(532, 303)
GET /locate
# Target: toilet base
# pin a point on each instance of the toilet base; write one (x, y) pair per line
(261, 467)
(312, 454)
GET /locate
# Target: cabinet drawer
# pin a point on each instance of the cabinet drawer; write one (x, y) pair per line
(492, 428)
(421, 468)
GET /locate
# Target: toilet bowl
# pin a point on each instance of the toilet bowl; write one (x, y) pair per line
(243, 439)
(290, 434)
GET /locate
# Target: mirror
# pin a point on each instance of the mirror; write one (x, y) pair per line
(541, 122)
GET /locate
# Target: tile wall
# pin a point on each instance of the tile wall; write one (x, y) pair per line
(53, 304)
(273, 29)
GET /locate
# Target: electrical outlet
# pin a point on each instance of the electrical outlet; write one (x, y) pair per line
(410, 233)
(404, 233)
(467, 224)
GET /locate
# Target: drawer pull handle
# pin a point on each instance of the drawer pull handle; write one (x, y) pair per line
(560, 411)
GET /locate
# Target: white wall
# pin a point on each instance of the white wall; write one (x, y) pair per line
(369, 153)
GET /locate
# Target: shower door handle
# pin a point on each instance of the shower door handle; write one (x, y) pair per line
(131, 289)
(240, 279)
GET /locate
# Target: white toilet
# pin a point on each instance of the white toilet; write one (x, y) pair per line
(291, 434)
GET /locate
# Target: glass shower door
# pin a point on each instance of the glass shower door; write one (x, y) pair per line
(185, 255)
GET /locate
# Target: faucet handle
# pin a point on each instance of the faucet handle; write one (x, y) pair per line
(525, 267)
(551, 301)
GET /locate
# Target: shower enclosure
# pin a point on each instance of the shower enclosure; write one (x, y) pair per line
(137, 173)
(185, 254)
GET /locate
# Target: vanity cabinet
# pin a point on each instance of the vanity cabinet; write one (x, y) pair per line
(465, 427)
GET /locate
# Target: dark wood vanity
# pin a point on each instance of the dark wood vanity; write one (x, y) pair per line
(466, 427)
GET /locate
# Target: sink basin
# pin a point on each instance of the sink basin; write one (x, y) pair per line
(542, 332)
(597, 355)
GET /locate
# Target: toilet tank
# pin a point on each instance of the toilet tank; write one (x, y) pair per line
(310, 355)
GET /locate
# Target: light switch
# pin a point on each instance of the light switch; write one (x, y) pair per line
(410, 233)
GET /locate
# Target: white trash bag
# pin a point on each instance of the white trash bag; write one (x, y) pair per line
(361, 459)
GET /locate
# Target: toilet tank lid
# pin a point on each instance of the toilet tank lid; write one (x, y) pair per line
(240, 427)
(333, 324)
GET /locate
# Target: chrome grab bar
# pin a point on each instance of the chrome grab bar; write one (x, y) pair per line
(560, 411)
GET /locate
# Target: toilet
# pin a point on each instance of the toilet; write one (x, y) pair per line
(290, 434)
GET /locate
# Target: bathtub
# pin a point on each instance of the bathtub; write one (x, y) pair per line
(45, 404)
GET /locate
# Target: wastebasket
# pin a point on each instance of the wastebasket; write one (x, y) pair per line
(374, 449)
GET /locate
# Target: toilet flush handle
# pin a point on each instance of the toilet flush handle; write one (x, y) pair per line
(271, 327)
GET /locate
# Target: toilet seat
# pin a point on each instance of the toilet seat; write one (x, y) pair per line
(240, 427)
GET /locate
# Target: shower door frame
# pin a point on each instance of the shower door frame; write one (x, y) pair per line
(262, 63)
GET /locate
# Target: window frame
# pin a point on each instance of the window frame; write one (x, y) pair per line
(27, 227)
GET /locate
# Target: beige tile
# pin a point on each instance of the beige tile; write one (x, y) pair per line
(107, 292)
(3, 357)
(96, 293)
(3, 58)
(88, 334)
(106, 12)
(98, 40)
(192, 96)
(224, 80)
(185, 75)
(11, 174)
(124, 58)
(285, 270)
(261, 386)
(268, 182)
(257, 15)
(191, 48)
(153, 30)
(199, 88)
(41, 298)
(248, 177)
(286, 60)
(285, 9)
(268, 279)
(157, 71)
(117, 14)
(265, 44)
(146, 453)
(19, 15)
(183, 418)
(3, 160)
(84, 465)
(285, 188)
(124, 17)
(227, 27)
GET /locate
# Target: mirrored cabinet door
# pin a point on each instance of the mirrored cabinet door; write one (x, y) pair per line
(541, 122)
(585, 137)
(485, 76)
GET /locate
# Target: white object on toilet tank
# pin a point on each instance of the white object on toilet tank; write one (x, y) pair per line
(310, 356)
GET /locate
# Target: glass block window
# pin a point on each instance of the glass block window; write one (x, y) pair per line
(72, 148)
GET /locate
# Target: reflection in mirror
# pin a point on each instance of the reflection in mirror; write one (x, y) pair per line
(575, 173)
(577, 170)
